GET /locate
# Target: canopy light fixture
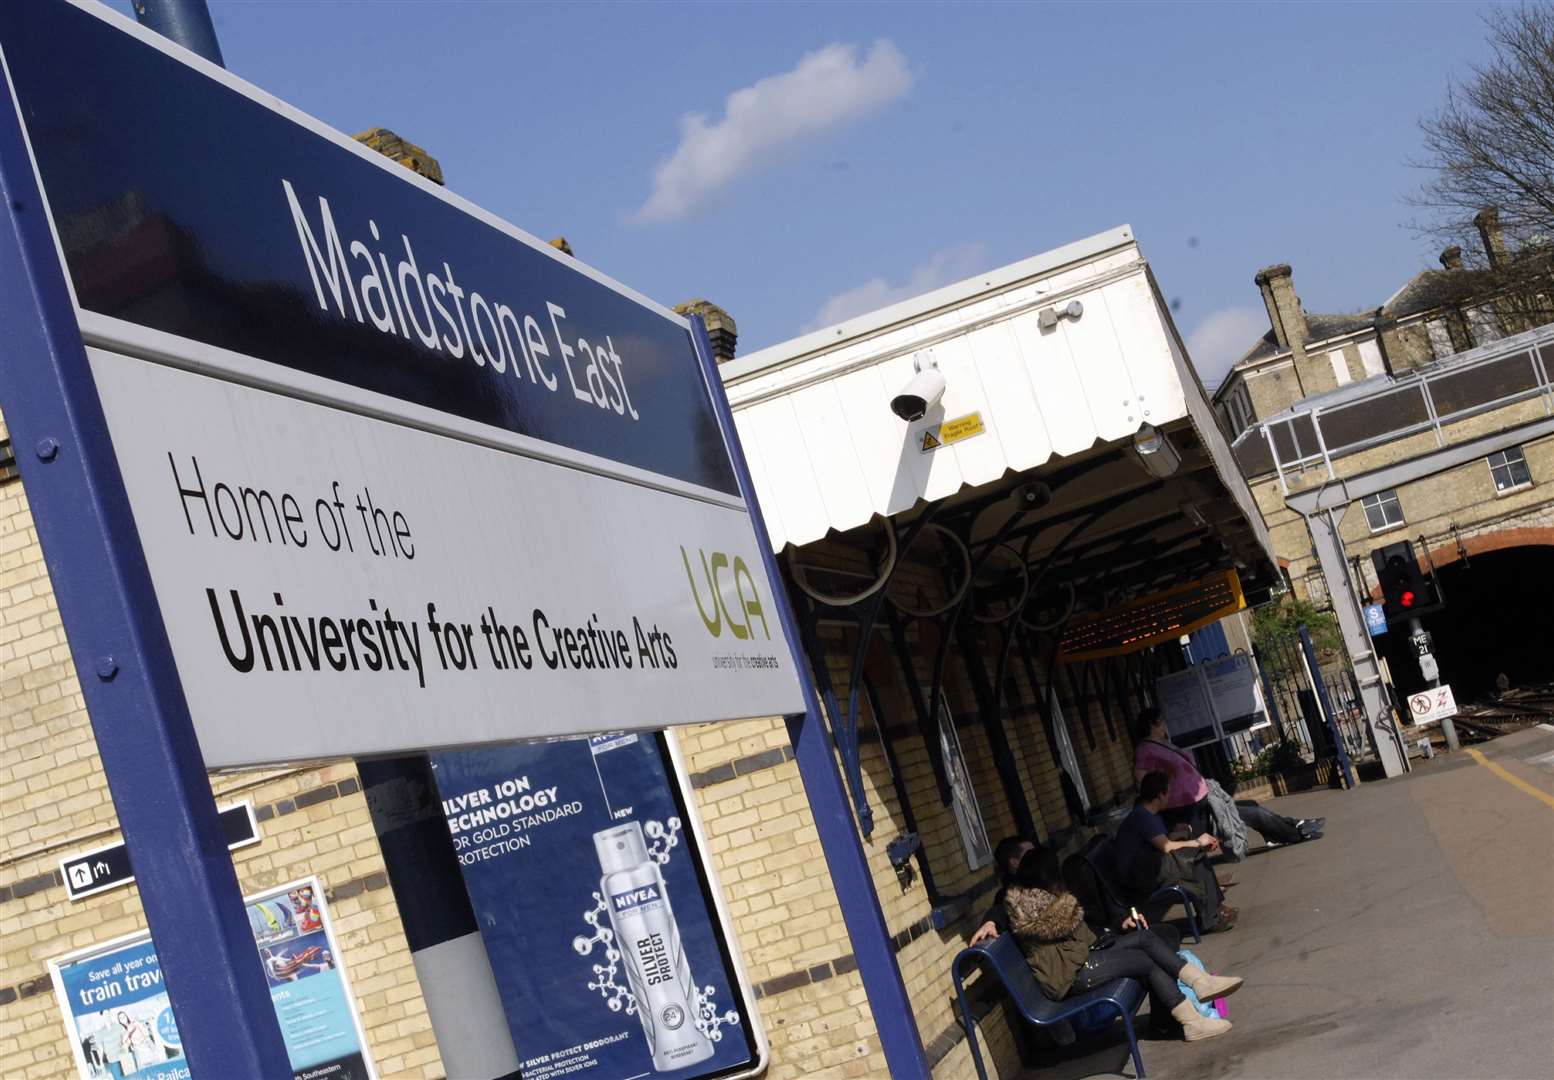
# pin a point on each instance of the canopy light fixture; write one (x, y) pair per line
(1155, 452)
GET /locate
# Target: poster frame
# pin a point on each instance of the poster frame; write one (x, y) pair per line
(135, 937)
(963, 806)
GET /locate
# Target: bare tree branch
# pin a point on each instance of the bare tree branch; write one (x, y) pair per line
(1491, 144)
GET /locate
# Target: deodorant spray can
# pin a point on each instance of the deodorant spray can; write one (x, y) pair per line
(649, 944)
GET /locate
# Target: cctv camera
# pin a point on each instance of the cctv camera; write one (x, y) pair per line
(921, 394)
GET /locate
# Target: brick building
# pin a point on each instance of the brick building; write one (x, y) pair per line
(1424, 420)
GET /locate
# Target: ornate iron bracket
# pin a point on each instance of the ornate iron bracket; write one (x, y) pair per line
(864, 614)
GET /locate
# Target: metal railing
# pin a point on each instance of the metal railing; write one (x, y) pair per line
(1428, 399)
(1298, 711)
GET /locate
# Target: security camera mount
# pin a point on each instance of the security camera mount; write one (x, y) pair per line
(1048, 317)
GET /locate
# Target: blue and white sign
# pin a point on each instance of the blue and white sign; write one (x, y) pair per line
(121, 1024)
(1375, 619)
(238, 226)
(404, 476)
(582, 859)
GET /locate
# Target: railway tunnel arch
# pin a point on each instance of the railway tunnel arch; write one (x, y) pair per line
(1499, 618)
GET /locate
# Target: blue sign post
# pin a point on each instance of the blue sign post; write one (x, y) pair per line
(812, 747)
(161, 792)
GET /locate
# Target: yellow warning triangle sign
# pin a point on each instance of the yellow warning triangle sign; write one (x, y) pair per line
(929, 442)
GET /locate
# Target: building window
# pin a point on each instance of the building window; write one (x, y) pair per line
(1509, 469)
(1382, 510)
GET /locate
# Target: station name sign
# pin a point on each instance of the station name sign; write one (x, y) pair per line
(404, 476)
(486, 333)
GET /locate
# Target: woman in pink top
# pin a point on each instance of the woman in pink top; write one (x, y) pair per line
(1188, 798)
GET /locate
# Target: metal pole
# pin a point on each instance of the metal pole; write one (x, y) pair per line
(446, 949)
(850, 872)
(144, 735)
(1314, 673)
(1329, 548)
(1268, 699)
(184, 22)
(1415, 630)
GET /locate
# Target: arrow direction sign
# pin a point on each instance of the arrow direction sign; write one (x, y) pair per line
(105, 868)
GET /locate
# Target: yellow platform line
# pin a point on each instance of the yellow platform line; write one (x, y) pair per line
(1511, 778)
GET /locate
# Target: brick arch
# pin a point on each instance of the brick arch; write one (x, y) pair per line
(1482, 544)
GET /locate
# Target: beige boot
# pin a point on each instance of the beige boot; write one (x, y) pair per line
(1196, 1027)
(1206, 986)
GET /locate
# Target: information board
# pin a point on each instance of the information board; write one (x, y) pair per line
(1212, 699)
(1235, 692)
(394, 464)
(598, 909)
(1189, 714)
(120, 1023)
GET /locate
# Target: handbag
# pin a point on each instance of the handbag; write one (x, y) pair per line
(1104, 940)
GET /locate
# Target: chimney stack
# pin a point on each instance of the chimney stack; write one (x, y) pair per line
(1284, 312)
(1393, 355)
(1488, 222)
(1451, 258)
(406, 153)
(721, 331)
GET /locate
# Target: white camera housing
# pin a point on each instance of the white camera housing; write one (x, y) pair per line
(922, 393)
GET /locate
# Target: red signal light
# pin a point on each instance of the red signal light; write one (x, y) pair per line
(1407, 599)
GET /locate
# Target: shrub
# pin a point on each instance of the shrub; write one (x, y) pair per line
(1276, 758)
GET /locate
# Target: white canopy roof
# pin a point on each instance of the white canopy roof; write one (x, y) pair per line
(827, 453)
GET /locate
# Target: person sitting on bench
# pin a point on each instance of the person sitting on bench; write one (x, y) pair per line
(1067, 957)
(1006, 858)
(1148, 857)
(1187, 802)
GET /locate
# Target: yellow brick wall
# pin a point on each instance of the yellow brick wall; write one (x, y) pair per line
(781, 897)
(54, 801)
(1461, 498)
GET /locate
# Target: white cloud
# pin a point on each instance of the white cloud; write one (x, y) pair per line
(1223, 337)
(943, 267)
(825, 90)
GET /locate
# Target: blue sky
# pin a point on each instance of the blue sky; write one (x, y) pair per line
(871, 151)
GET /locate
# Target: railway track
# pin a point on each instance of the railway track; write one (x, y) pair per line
(1511, 711)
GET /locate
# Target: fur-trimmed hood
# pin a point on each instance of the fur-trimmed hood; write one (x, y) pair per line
(1037, 915)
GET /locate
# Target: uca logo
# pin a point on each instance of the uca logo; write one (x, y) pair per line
(740, 618)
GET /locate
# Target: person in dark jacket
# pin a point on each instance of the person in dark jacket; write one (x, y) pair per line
(1006, 858)
(1147, 856)
(1049, 924)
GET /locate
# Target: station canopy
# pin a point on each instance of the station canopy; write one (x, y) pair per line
(1072, 469)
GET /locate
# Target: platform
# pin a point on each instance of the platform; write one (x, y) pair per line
(1415, 940)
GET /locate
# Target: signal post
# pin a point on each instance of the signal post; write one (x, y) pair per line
(1407, 593)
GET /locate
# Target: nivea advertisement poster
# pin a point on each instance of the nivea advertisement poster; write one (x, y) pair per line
(121, 1021)
(595, 910)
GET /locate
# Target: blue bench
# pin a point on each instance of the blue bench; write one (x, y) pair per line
(1002, 956)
